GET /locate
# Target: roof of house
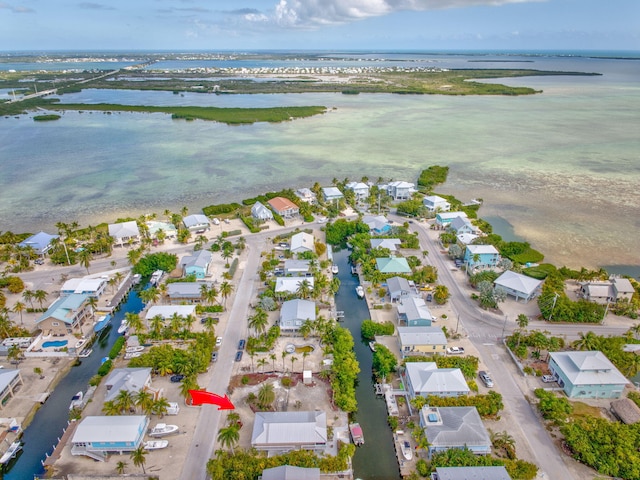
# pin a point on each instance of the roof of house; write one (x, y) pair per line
(259, 210)
(622, 285)
(518, 282)
(398, 284)
(414, 308)
(288, 472)
(472, 473)
(131, 379)
(427, 377)
(186, 288)
(450, 215)
(302, 240)
(433, 199)
(459, 222)
(331, 192)
(297, 265)
(291, 284)
(83, 285)
(393, 265)
(466, 238)
(626, 410)
(482, 250)
(298, 310)
(588, 368)
(196, 220)
(281, 204)
(166, 311)
(280, 428)
(458, 426)
(422, 336)
(598, 289)
(64, 308)
(201, 259)
(376, 222)
(357, 186)
(124, 229)
(7, 376)
(112, 428)
(390, 243)
(39, 242)
(401, 184)
(168, 228)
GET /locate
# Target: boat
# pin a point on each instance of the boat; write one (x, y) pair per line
(76, 400)
(85, 353)
(139, 348)
(162, 429)
(354, 270)
(101, 323)
(372, 346)
(334, 269)
(407, 453)
(13, 450)
(130, 355)
(124, 326)
(155, 444)
(360, 291)
(356, 434)
(156, 277)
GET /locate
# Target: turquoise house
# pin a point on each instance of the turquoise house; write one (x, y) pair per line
(393, 265)
(197, 264)
(481, 257)
(97, 436)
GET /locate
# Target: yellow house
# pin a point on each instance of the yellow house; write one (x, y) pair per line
(422, 341)
(66, 315)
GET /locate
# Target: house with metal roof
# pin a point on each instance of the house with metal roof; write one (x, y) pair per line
(587, 374)
(361, 190)
(481, 256)
(10, 381)
(124, 233)
(294, 313)
(436, 203)
(518, 286)
(302, 242)
(471, 473)
(393, 265)
(306, 195)
(289, 472)
(185, 292)
(261, 213)
(66, 315)
(466, 238)
(443, 219)
(168, 311)
(425, 378)
(378, 224)
(284, 207)
(94, 287)
(132, 380)
(290, 285)
(98, 436)
(400, 190)
(421, 341)
(168, 229)
(331, 194)
(41, 243)
(296, 268)
(392, 244)
(454, 427)
(461, 225)
(196, 264)
(400, 288)
(279, 432)
(196, 222)
(413, 312)
(613, 290)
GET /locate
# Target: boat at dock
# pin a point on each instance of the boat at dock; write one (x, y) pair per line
(139, 348)
(155, 444)
(124, 326)
(162, 429)
(156, 277)
(76, 400)
(13, 450)
(354, 270)
(407, 452)
(334, 269)
(356, 434)
(372, 346)
(360, 291)
(102, 323)
(85, 353)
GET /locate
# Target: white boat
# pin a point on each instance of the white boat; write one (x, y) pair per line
(76, 400)
(162, 429)
(155, 444)
(139, 348)
(85, 353)
(372, 346)
(13, 450)
(360, 291)
(334, 269)
(129, 356)
(124, 326)
(356, 434)
(156, 277)
(407, 453)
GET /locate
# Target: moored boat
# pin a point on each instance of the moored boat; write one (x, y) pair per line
(76, 400)
(139, 348)
(372, 346)
(407, 453)
(334, 269)
(13, 450)
(360, 291)
(124, 326)
(130, 355)
(356, 434)
(102, 323)
(85, 353)
(155, 444)
(162, 429)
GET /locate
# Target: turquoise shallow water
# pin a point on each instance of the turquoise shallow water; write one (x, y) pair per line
(562, 167)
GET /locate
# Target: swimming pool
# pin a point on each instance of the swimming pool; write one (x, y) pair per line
(56, 343)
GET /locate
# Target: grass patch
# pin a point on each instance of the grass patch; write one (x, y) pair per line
(581, 409)
(46, 118)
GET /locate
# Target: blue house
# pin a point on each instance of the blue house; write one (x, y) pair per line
(413, 312)
(481, 257)
(587, 375)
(40, 242)
(393, 265)
(197, 264)
(378, 224)
(98, 436)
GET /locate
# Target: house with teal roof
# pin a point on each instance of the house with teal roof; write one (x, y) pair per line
(393, 265)
(66, 315)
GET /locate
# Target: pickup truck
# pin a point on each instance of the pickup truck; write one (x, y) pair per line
(455, 350)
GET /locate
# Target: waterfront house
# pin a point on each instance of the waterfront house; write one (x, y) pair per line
(294, 313)
(413, 312)
(480, 257)
(41, 243)
(471, 473)
(196, 264)
(378, 224)
(331, 194)
(454, 427)
(94, 287)
(425, 378)
(360, 190)
(290, 285)
(132, 380)
(393, 265)
(98, 436)
(197, 222)
(168, 229)
(434, 203)
(168, 311)
(302, 242)
(306, 195)
(606, 291)
(185, 292)
(421, 341)
(124, 233)
(587, 374)
(461, 225)
(443, 219)
(284, 207)
(10, 383)
(400, 288)
(466, 238)
(66, 315)
(400, 190)
(297, 268)
(289, 472)
(280, 432)
(260, 212)
(391, 244)
(518, 286)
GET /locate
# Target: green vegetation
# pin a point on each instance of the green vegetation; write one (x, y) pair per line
(553, 408)
(46, 118)
(213, 210)
(384, 361)
(117, 347)
(455, 457)
(522, 344)
(156, 261)
(541, 271)
(467, 364)
(432, 176)
(556, 306)
(165, 359)
(339, 231)
(488, 405)
(345, 369)
(369, 329)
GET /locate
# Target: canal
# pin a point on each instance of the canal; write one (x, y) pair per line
(376, 459)
(42, 434)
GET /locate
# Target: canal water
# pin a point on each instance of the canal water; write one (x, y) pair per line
(42, 434)
(376, 459)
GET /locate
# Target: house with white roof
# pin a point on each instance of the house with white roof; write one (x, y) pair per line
(587, 374)
(10, 383)
(413, 312)
(168, 229)
(94, 287)
(196, 223)
(98, 436)
(306, 195)
(421, 341)
(185, 292)
(435, 203)
(466, 238)
(361, 190)
(461, 225)
(66, 315)
(294, 313)
(518, 286)
(400, 190)
(289, 472)
(260, 212)
(41, 243)
(471, 473)
(425, 378)
(290, 285)
(124, 233)
(302, 242)
(331, 194)
(196, 264)
(613, 290)
(391, 244)
(443, 219)
(132, 380)
(168, 311)
(393, 265)
(400, 288)
(280, 432)
(378, 224)
(454, 427)
(480, 257)
(297, 268)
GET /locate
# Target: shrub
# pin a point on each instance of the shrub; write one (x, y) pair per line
(105, 368)
(117, 347)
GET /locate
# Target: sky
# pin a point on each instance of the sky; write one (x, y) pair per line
(41, 25)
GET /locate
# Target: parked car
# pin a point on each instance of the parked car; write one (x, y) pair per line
(213, 320)
(429, 297)
(238, 355)
(176, 378)
(39, 261)
(241, 344)
(455, 350)
(548, 378)
(214, 357)
(218, 341)
(486, 378)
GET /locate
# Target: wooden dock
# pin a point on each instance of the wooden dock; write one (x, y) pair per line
(62, 441)
(122, 292)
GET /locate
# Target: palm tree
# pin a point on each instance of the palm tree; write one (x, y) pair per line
(125, 400)
(149, 295)
(85, 256)
(266, 396)
(134, 256)
(120, 466)
(40, 296)
(190, 382)
(587, 341)
(273, 360)
(134, 321)
(233, 418)
(144, 400)
(284, 354)
(110, 408)
(259, 321)
(304, 289)
(93, 303)
(293, 360)
(138, 457)
(19, 307)
(522, 320)
(156, 324)
(226, 289)
(160, 406)
(261, 363)
(304, 355)
(176, 322)
(229, 436)
(27, 295)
